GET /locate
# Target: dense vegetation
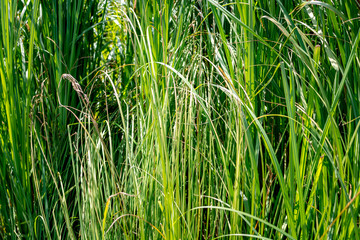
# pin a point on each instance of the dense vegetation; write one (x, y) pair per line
(179, 119)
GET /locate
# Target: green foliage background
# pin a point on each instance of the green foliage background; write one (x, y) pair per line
(180, 119)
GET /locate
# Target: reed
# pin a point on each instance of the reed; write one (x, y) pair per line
(179, 119)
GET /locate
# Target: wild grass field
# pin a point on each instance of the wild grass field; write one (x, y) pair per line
(179, 119)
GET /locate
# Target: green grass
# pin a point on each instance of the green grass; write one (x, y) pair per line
(179, 119)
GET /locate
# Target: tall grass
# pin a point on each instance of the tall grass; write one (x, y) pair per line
(179, 119)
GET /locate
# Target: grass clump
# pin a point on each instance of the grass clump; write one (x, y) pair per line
(179, 119)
